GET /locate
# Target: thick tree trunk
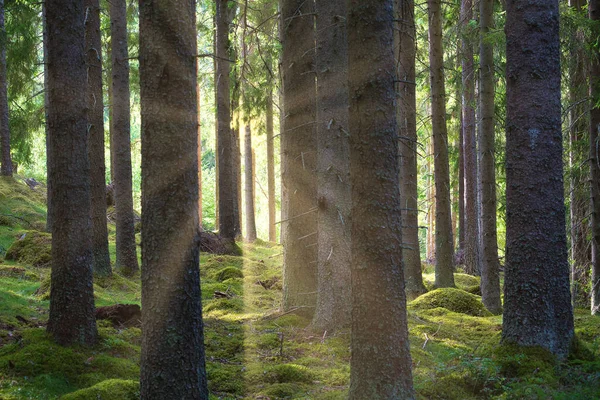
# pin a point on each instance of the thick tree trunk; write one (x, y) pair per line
(271, 167)
(95, 106)
(444, 268)
(380, 363)
(7, 167)
(490, 266)
(172, 359)
(334, 304)
(594, 7)
(71, 317)
(249, 187)
(299, 144)
(121, 140)
(407, 121)
(537, 309)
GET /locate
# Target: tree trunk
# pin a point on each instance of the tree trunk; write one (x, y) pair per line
(444, 269)
(71, 318)
(334, 301)
(216, 99)
(249, 187)
(7, 167)
(490, 267)
(537, 309)
(49, 207)
(172, 358)
(237, 177)
(299, 144)
(271, 167)
(594, 7)
(407, 121)
(121, 140)
(461, 181)
(380, 367)
(95, 106)
(199, 122)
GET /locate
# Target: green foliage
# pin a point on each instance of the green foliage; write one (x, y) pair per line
(452, 299)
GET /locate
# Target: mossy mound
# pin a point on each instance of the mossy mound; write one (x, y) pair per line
(285, 373)
(232, 305)
(228, 273)
(33, 248)
(520, 361)
(111, 389)
(455, 300)
(18, 273)
(463, 281)
(284, 391)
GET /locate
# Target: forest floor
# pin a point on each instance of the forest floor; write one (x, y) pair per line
(253, 350)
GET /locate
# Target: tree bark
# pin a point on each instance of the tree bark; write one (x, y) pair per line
(407, 121)
(95, 106)
(271, 167)
(71, 319)
(7, 167)
(172, 358)
(199, 122)
(490, 266)
(594, 9)
(537, 310)
(249, 187)
(299, 144)
(380, 367)
(334, 306)
(444, 268)
(121, 140)
(49, 207)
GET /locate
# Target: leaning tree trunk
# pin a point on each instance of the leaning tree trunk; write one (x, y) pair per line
(121, 140)
(333, 310)
(71, 318)
(444, 269)
(95, 106)
(380, 367)
(172, 358)
(249, 186)
(7, 167)
(299, 144)
(407, 121)
(537, 300)
(594, 7)
(490, 266)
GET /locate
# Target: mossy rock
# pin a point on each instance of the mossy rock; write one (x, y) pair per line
(111, 389)
(285, 373)
(33, 248)
(455, 300)
(228, 273)
(464, 281)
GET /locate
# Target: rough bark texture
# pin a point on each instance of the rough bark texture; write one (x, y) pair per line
(470, 147)
(7, 167)
(225, 145)
(334, 305)
(271, 167)
(299, 145)
(537, 309)
(71, 317)
(172, 359)
(444, 269)
(380, 363)
(95, 107)
(249, 186)
(121, 139)
(490, 266)
(594, 7)
(407, 121)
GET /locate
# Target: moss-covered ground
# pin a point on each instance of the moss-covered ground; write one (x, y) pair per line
(254, 351)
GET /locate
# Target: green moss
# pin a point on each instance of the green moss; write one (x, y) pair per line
(284, 391)
(452, 299)
(465, 280)
(225, 378)
(288, 373)
(111, 389)
(33, 248)
(520, 361)
(234, 305)
(18, 273)
(228, 273)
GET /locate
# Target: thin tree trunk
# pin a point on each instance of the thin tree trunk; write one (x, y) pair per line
(271, 167)
(71, 319)
(121, 140)
(490, 266)
(249, 187)
(7, 167)
(49, 207)
(380, 366)
(407, 121)
(444, 268)
(216, 95)
(95, 107)
(594, 9)
(199, 97)
(461, 181)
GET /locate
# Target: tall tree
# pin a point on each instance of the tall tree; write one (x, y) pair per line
(380, 363)
(71, 318)
(490, 266)
(121, 139)
(249, 186)
(271, 162)
(172, 360)
(298, 141)
(95, 107)
(7, 167)
(594, 10)
(49, 202)
(333, 309)
(199, 128)
(407, 121)
(444, 274)
(537, 309)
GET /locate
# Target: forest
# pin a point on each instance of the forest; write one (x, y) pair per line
(299, 199)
